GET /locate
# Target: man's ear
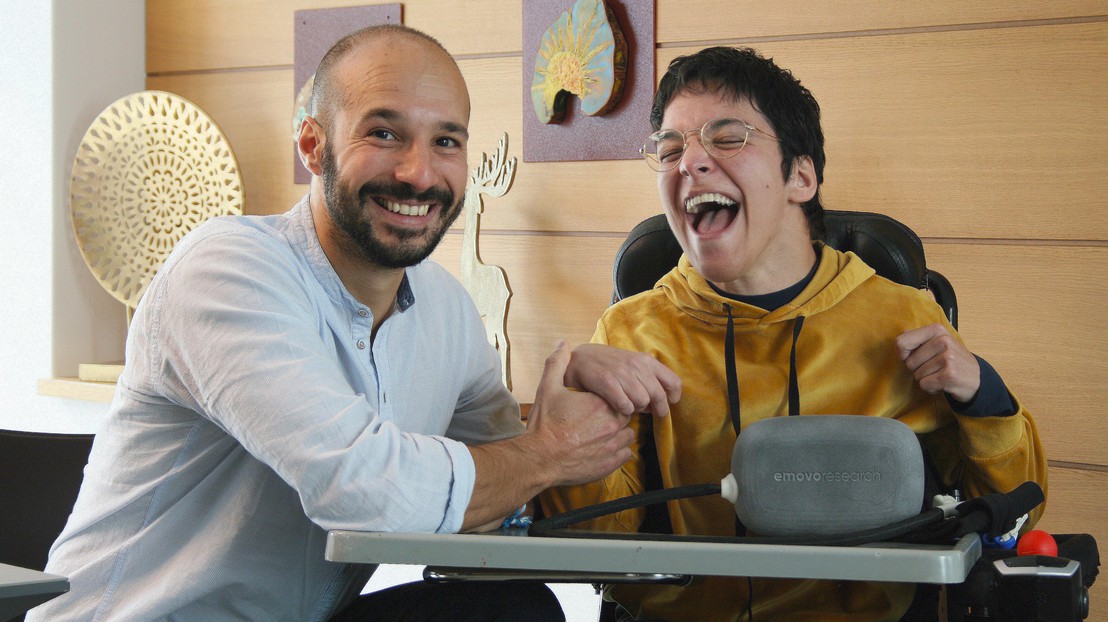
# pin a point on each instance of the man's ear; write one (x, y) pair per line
(802, 184)
(310, 145)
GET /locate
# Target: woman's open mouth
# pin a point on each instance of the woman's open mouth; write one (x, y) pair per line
(710, 212)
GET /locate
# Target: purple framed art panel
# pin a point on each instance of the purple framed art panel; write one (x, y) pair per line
(614, 136)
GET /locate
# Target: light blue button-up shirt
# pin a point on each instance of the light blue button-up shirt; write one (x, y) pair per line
(255, 413)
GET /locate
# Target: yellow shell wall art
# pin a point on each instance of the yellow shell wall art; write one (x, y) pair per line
(583, 53)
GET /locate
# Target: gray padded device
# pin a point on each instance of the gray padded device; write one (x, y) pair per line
(826, 474)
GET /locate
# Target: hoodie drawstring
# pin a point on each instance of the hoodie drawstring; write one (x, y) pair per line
(732, 392)
(732, 374)
(794, 386)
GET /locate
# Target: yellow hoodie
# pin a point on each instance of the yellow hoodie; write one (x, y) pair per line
(846, 363)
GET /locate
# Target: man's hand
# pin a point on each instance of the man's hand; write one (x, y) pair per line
(572, 437)
(940, 362)
(576, 434)
(629, 381)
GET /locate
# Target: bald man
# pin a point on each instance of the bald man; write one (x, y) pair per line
(295, 373)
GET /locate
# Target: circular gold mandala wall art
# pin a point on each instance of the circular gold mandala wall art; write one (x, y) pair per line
(149, 169)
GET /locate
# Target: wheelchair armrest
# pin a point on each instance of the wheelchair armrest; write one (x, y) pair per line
(943, 291)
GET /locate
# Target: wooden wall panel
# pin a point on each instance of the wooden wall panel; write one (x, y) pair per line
(1037, 314)
(687, 20)
(560, 286)
(195, 36)
(1075, 503)
(217, 34)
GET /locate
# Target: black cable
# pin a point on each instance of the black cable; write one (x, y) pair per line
(557, 525)
(561, 521)
(749, 599)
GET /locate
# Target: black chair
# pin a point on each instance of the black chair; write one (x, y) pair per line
(41, 476)
(886, 244)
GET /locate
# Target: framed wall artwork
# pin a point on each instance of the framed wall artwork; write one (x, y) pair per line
(588, 78)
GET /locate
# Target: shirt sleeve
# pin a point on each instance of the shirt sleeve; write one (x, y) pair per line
(236, 336)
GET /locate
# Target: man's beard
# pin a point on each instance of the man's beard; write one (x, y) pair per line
(347, 210)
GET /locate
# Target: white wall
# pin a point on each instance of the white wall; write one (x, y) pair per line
(61, 64)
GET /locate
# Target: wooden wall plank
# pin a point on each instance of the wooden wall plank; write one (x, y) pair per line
(254, 110)
(217, 34)
(1083, 494)
(685, 20)
(194, 35)
(1036, 313)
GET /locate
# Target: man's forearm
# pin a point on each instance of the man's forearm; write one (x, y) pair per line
(507, 477)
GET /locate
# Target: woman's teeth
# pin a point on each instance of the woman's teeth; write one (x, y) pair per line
(694, 205)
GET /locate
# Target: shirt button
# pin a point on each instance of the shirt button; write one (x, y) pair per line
(361, 344)
(363, 313)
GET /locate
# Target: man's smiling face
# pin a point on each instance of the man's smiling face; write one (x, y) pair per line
(737, 219)
(394, 162)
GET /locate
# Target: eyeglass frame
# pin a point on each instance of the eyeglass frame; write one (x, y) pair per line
(656, 165)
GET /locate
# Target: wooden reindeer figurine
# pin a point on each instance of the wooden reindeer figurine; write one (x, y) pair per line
(488, 285)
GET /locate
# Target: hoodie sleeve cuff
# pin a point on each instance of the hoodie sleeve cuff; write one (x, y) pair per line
(992, 399)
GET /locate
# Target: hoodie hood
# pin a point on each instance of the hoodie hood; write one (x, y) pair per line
(838, 275)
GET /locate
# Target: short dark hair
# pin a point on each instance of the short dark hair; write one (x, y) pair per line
(323, 95)
(742, 73)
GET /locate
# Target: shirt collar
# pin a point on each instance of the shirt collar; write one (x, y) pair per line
(405, 297)
(303, 234)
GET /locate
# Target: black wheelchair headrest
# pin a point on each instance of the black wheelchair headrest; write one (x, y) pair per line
(886, 244)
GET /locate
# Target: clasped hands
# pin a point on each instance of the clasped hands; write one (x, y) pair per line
(584, 402)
